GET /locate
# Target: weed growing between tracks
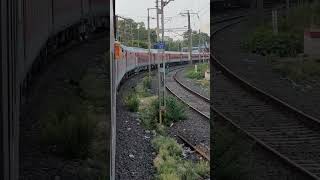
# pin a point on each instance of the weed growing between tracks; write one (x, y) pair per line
(169, 162)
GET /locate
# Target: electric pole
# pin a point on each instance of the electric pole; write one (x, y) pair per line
(190, 34)
(190, 38)
(149, 41)
(162, 108)
(159, 76)
(138, 27)
(162, 87)
(199, 55)
(131, 34)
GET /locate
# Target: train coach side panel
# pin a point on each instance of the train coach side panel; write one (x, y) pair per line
(100, 7)
(37, 28)
(66, 13)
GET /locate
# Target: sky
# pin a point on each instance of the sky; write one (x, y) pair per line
(137, 10)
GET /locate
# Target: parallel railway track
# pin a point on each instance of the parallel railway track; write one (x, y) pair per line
(287, 132)
(281, 129)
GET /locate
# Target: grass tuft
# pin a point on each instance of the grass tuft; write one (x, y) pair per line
(299, 70)
(199, 74)
(175, 111)
(170, 164)
(70, 133)
(132, 102)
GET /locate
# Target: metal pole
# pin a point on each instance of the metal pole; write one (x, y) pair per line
(159, 76)
(138, 35)
(162, 57)
(199, 46)
(131, 34)
(190, 38)
(149, 43)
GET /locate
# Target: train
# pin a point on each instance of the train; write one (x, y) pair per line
(132, 60)
(31, 31)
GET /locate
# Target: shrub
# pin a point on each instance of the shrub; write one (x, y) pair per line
(264, 42)
(175, 111)
(146, 82)
(132, 102)
(199, 74)
(192, 74)
(149, 116)
(70, 133)
(231, 154)
(299, 70)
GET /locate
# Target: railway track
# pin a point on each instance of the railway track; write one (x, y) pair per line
(281, 129)
(195, 101)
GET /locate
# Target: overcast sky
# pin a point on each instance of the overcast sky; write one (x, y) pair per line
(137, 10)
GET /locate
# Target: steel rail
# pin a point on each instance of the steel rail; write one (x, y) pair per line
(267, 95)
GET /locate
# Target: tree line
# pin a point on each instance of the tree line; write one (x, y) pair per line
(135, 34)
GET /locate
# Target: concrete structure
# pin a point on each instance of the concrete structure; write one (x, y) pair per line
(207, 75)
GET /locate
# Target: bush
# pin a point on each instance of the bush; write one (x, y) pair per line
(194, 74)
(199, 74)
(70, 133)
(146, 82)
(264, 42)
(231, 154)
(132, 102)
(175, 111)
(299, 70)
(150, 115)
(169, 162)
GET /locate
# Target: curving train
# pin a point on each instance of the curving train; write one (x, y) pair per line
(133, 59)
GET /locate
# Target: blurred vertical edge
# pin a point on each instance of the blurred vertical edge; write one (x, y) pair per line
(10, 93)
(112, 95)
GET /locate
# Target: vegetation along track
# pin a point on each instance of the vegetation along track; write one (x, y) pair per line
(287, 132)
(195, 101)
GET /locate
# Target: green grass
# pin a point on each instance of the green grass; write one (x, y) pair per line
(289, 41)
(175, 111)
(169, 162)
(146, 82)
(69, 130)
(231, 155)
(199, 74)
(132, 102)
(149, 115)
(299, 70)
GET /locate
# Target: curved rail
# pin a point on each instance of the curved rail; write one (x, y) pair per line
(311, 121)
(198, 96)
